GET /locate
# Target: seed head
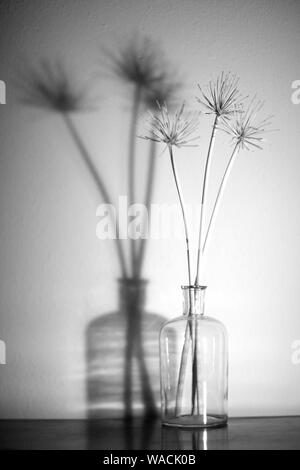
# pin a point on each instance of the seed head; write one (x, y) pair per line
(221, 97)
(246, 128)
(177, 130)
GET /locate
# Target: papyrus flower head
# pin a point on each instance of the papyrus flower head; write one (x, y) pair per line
(221, 97)
(51, 86)
(177, 129)
(246, 128)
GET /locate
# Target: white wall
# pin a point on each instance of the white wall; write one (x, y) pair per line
(55, 274)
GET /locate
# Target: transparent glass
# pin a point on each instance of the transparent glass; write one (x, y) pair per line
(194, 366)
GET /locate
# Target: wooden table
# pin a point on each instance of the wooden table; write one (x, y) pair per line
(241, 433)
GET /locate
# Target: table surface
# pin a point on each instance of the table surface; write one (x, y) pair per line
(103, 434)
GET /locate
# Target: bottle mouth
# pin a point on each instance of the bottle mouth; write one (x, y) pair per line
(195, 287)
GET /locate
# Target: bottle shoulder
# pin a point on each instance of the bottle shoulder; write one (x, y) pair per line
(203, 319)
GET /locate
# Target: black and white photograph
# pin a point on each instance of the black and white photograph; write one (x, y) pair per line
(149, 228)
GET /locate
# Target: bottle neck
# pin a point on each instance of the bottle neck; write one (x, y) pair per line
(193, 300)
(132, 294)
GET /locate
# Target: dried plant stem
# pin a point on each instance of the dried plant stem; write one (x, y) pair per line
(182, 205)
(148, 197)
(197, 361)
(202, 217)
(189, 332)
(192, 333)
(203, 198)
(131, 170)
(195, 398)
(189, 341)
(220, 193)
(98, 180)
(182, 369)
(211, 220)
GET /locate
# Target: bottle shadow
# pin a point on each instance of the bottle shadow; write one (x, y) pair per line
(122, 358)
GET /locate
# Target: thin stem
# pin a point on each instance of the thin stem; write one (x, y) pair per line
(203, 197)
(188, 331)
(202, 216)
(189, 340)
(98, 180)
(196, 360)
(220, 193)
(179, 191)
(148, 197)
(131, 168)
(182, 368)
(195, 400)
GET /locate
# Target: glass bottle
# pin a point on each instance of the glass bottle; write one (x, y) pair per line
(194, 366)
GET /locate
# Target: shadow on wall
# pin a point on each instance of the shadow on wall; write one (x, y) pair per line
(121, 347)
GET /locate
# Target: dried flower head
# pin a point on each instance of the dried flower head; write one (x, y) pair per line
(138, 63)
(246, 129)
(222, 96)
(53, 88)
(178, 130)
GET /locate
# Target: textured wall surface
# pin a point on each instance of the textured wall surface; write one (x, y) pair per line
(55, 275)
